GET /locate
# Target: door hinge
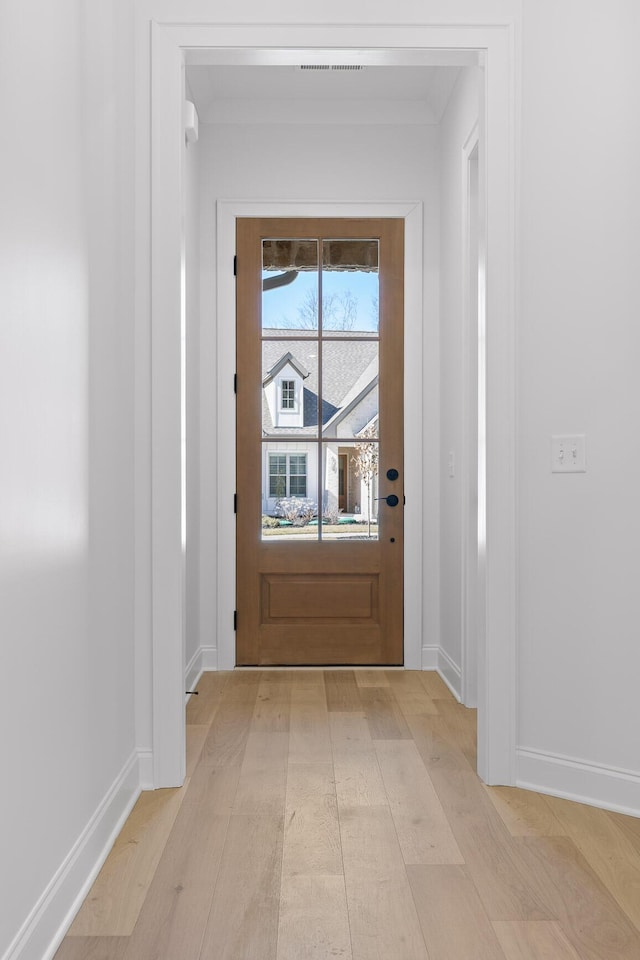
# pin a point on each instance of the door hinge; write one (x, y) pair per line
(235, 266)
(235, 503)
(235, 619)
(235, 383)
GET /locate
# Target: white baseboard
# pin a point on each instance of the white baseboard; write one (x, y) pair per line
(435, 658)
(450, 673)
(209, 658)
(193, 671)
(205, 658)
(574, 779)
(145, 766)
(43, 930)
(430, 657)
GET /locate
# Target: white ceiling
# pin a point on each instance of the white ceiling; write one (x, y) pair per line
(289, 94)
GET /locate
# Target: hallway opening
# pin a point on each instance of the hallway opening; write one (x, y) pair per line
(496, 736)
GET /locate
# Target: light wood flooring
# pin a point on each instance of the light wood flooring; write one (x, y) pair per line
(337, 814)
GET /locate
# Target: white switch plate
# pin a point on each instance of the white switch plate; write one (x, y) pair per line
(568, 453)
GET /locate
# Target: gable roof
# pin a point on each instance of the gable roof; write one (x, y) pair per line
(361, 389)
(349, 372)
(287, 358)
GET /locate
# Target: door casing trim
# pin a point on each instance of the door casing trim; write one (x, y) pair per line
(165, 34)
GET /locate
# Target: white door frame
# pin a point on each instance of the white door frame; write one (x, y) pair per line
(473, 259)
(412, 213)
(162, 48)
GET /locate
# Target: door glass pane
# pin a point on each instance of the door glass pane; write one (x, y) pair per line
(350, 389)
(319, 396)
(350, 289)
(290, 490)
(290, 287)
(349, 490)
(289, 388)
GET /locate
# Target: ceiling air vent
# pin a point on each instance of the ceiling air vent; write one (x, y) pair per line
(331, 67)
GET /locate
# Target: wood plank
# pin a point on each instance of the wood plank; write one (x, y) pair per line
(382, 914)
(493, 858)
(227, 737)
(525, 813)
(630, 826)
(385, 719)
(173, 916)
(279, 675)
(201, 707)
(415, 703)
(506, 886)
(272, 706)
(92, 948)
(593, 922)
(263, 775)
(312, 831)
(242, 686)
(243, 922)
(308, 676)
(309, 688)
(409, 692)
(371, 678)
(114, 902)
(309, 735)
(435, 686)
(196, 736)
(534, 940)
(437, 744)
(342, 691)
(313, 922)
(405, 679)
(462, 721)
(606, 849)
(421, 824)
(357, 773)
(454, 923)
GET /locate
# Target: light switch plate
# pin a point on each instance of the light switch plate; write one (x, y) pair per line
(568, 453)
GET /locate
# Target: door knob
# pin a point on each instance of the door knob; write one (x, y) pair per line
(391, 500)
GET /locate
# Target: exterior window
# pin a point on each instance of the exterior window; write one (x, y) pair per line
(287, 394)
(298, 475)
(287, 474)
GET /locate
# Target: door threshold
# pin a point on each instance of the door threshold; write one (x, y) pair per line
(327, 666)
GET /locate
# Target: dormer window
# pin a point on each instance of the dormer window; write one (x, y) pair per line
(284, 392)
(287, 394)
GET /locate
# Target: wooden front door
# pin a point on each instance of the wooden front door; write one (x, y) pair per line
(319, 424)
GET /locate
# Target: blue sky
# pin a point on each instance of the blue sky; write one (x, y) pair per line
(284, 301)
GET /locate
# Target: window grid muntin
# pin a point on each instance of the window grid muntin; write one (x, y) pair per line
(287, 395)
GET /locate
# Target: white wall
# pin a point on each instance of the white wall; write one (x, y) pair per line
(457, 124)
(66, 379)
(578, 344)
(303, 162)
(578, 349)
(66, 469)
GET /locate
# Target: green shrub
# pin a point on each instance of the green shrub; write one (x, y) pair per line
(269, 523)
